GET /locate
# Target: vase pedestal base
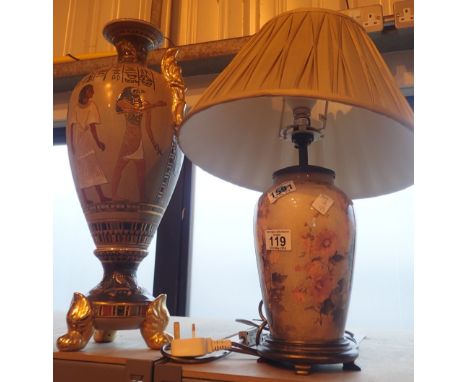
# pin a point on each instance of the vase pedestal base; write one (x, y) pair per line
(302, 356)
(85, 318)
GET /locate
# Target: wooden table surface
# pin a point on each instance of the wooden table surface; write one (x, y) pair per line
(383, 357)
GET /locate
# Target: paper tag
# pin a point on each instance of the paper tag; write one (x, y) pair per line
(283, 189)
(278, 239)
(322, 204)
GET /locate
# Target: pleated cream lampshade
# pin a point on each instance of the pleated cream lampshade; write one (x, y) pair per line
(306, 57)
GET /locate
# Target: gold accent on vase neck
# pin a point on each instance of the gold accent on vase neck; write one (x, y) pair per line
(131, 52)
(173, 75)
(133, 39)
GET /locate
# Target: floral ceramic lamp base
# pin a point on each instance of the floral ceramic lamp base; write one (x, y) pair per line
(305, 235)
(82, 323)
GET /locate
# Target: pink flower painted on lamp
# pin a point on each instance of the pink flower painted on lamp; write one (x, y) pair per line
(314, 269)
(299, 294)
(322, 287)
(325, 243)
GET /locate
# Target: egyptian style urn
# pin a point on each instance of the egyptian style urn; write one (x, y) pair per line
(125, 163)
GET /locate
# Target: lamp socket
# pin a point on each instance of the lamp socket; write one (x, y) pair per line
(404, 14)
(370, 17)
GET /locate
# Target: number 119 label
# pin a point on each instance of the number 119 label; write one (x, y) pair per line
(278, 239)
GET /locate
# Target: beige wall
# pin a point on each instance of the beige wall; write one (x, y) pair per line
(78, 23)
(206, 20)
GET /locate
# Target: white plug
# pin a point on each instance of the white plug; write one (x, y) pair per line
(195, 346)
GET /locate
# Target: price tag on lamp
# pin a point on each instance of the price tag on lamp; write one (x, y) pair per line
(280, 191)
(278, 239)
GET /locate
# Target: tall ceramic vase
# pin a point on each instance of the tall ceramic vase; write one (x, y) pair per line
(125, 164)
(305, 235)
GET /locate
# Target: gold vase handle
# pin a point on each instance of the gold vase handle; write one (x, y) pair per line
(173, 75)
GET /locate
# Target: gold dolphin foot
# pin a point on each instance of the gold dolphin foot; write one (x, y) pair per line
(80, 325)
(157, 319)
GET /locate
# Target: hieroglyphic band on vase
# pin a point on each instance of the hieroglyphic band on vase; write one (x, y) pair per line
(123, 206)
(118, 255)
(169, 171)
(126, 73)
(109, 309)
(123, 232)
(126, 231)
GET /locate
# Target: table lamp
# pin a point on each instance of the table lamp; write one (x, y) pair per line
(310, 86)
